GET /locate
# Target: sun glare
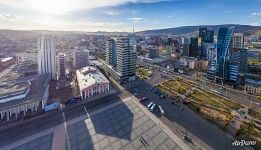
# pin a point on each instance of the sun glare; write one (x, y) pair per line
(52, 6)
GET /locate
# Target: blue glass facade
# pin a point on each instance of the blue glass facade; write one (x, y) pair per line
(225, 70)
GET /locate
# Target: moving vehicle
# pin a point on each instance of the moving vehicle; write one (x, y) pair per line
(152, 107)
(150, 104)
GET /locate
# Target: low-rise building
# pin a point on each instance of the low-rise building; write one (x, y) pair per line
(22, 91)
(253, 84)
(91, 82)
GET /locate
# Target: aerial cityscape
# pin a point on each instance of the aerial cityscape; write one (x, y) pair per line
(130, 75)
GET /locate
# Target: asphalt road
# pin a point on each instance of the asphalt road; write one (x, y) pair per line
(24, 129)
(199, 130)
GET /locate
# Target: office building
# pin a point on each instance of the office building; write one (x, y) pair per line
(238, 40)
(253, 84)
(81, 58)
(225, 69)
(205, 48)
(46, 56)
(61, 66)
(206, 35)
(29, 56)
(153, 52)
(194, 47)
(91, 82)
(111, 51)
(23, 92)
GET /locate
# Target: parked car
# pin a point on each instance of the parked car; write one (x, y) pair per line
(71, 101)
(150, 104)
(162, 96)
(135, 94)
(152, 107)
(143, 99)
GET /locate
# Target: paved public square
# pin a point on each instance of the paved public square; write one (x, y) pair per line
(124, 126)
(42, 143)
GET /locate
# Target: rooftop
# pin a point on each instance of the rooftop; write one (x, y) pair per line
(37, 90)
(88, 76)
(6, 59)
(8, 89)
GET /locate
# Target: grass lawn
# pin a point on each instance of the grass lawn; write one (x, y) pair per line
(255, 114)
(178, 86)
(198, 96)
(230, 104)
(143, 72)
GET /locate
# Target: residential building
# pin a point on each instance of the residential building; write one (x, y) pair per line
(238, 40)
(111, 51)
(81, 58)
(46, 56)
(126, 58)
(91, 82)
(61, 66)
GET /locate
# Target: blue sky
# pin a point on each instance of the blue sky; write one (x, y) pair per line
(119, 15)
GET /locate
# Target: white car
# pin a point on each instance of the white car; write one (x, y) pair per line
(257, 103)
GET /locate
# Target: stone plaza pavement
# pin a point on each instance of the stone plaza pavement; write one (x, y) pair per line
(124, 125)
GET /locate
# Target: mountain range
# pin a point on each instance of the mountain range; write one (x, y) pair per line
(184, 30)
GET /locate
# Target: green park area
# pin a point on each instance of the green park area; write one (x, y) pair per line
(144, 73)
(212, 107)
(254, 61)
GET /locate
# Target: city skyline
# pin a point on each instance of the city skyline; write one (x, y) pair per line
(120, 15)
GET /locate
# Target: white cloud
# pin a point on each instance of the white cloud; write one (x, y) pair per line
(63, 6)
(9, 16)
(112, 13)
(256, 14)
(137, 19)
(170, 16)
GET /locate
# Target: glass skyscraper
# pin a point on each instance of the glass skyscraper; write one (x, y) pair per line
(225, 70)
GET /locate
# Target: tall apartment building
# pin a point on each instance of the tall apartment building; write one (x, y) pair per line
(111, 51)
(61, 65)
(121, 55)
(81, 58)
(46, 55)
(238, 40)
(126, 57)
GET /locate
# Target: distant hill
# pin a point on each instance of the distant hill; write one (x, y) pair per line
(247, 29)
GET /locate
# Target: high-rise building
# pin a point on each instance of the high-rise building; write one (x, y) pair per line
(46, 56)
(225, 69)
(111, 51)
(153, 52)
(80, 58)
(194, 47)
(61, 65)
(238, 40)
(206, 35)
(126, 57)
